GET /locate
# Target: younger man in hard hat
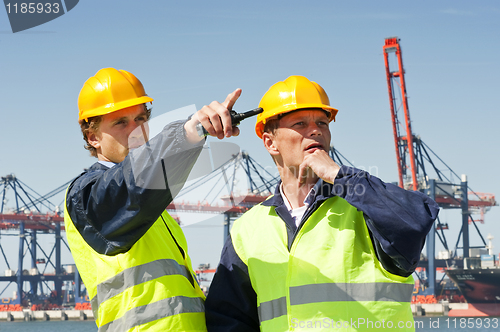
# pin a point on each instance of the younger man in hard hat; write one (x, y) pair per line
(334, 247)
(131, 254)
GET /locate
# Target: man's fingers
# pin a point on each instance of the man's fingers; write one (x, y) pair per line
(209, 120)
(216, 119)
(224, 118)
(231, 99)
(228, 105)
(321, 165)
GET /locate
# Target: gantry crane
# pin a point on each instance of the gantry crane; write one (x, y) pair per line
(30, 222)
(412, 155)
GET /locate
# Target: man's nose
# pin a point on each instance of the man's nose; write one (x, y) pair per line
(136, 130)
(314, 129)
(133, 129)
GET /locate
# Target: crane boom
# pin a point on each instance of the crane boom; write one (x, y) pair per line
(403, 142)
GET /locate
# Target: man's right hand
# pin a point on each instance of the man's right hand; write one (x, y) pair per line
(321, 164)
(215, 118)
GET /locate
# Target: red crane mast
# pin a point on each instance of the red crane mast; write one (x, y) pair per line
(403, 142)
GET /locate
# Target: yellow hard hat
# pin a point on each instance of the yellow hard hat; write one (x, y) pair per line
(110, 90)
(296, 92)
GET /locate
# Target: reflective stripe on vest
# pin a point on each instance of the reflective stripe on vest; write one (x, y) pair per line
(335, 293)
(350, 292)
(272, 309)
(153, 311)
(134, 276)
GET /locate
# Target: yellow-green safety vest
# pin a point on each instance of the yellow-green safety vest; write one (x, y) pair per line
(151, 287)
(329, 279)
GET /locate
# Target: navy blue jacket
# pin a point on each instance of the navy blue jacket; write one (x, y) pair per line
(398, 222)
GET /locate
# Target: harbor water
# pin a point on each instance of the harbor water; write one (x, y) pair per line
(422, 324)
(48, 326)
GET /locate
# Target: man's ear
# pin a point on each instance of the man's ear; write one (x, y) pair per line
(270, 143)
(93, 139)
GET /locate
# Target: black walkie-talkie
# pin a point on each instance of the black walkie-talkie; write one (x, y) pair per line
(236, 118)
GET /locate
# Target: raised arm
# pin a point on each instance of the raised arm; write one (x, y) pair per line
(113, 207)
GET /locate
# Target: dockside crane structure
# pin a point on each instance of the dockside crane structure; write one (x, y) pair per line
(415, 159)
(30, 222)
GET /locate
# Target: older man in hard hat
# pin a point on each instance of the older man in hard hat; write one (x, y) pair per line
(334, 247)
(131, 254)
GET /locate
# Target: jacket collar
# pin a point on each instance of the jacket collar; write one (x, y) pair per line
(98, 167)
(108, 164)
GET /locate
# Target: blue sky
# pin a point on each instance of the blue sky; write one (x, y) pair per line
(193, 52)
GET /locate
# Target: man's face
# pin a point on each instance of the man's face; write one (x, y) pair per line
(112, 137)
(300, 133)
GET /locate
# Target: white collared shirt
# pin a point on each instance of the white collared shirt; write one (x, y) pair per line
(298, 213)
(108, 164)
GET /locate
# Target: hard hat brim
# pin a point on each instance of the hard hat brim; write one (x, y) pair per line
(113, 107)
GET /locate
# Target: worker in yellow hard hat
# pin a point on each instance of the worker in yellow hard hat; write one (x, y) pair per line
(334, 247)
(131, 254)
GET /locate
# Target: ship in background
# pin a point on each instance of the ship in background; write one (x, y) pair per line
(475, 279)
(479, 279)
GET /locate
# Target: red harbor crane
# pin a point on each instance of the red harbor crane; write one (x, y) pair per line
(414, 160)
